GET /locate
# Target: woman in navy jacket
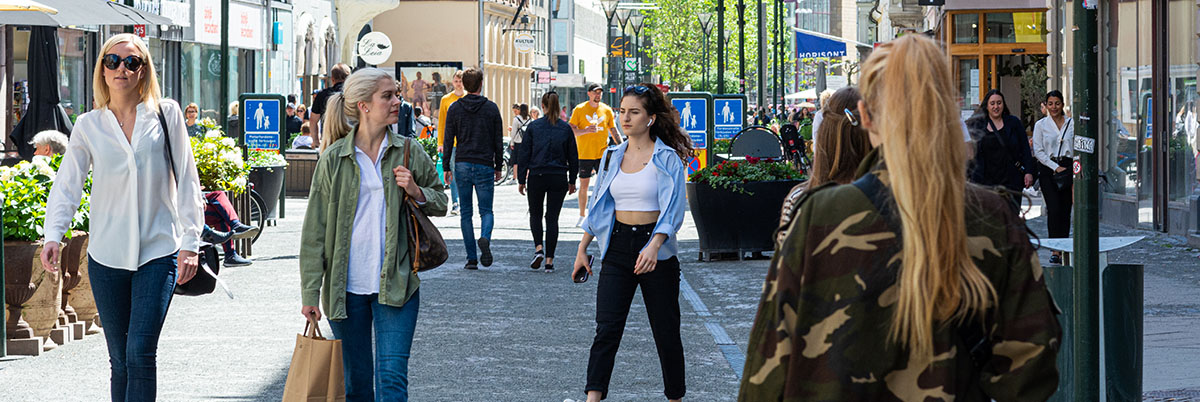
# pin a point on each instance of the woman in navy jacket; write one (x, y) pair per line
(547, 161)
(1002, 155)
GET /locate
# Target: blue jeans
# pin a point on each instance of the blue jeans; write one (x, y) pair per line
(383, 375)
(482, 179)
(133, 306)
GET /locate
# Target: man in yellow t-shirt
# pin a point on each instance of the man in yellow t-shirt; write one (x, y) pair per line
(448, 99)
(594, 125)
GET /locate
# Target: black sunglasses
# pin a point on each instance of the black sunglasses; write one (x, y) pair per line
(112, 62)
(637, 89)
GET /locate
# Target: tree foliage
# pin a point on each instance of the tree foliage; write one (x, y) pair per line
(678, 42)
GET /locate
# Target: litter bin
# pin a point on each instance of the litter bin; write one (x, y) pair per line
(1121, 303)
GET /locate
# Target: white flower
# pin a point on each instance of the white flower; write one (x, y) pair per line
(239, 183)
(43, 167)
(210, 147)
(7, 173)
(212, 135)
(229, 142)
(238, 162)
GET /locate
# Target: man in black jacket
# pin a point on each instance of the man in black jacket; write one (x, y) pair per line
(475, 125)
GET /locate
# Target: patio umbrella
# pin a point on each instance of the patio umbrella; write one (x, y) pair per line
(81, 12)
(26, 5)
(43, 112)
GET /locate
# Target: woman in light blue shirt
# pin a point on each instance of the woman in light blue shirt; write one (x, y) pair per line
(635, 215)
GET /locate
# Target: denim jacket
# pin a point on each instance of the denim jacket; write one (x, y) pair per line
(671, 198)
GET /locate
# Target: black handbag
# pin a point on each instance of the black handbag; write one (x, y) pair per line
(206, 280)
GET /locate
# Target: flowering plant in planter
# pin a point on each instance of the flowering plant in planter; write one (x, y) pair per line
(219, 160)
(730, 175)
(24, 189)
(260, 158)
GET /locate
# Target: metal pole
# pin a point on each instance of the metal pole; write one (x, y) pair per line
(720, 46)
(3, 326)
(742, 47)
(1086, 272)
(762, 50)
(223, 82)
(706, 87)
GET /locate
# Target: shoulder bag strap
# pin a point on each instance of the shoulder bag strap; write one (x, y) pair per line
(1062, 138)
(162, 120)
(413, 248)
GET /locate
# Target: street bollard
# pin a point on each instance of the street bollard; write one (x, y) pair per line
(1060, 282)
(1123, 315)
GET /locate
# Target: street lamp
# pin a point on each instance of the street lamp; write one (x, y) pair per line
(610, 10)
(705, 25)
(636, 22)
(622, 20)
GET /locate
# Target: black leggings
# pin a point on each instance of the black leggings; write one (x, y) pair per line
(1058, 204)
(551, 189)
(660, 292)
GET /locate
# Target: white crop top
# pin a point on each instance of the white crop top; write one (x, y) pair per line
(636, 191)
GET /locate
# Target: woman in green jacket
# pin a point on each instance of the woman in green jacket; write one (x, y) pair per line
(354, 253)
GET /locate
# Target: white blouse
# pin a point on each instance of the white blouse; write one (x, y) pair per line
(1050, 142)
(137, 212)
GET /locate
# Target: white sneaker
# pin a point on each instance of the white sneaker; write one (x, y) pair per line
(579, 223)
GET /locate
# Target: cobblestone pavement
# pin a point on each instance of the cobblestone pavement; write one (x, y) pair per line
(507, 333)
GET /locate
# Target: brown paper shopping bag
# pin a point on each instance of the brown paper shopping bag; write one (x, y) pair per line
(316, 371)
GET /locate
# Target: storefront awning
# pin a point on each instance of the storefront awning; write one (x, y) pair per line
(83, 12)
(812, 46)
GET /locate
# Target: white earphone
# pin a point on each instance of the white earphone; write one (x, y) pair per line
(651, 123)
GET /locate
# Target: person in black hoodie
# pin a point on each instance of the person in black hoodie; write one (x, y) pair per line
(547, 155)
(474, 125)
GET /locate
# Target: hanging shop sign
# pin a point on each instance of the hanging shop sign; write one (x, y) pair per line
(524, 42)
(245, 32)
(374, 48)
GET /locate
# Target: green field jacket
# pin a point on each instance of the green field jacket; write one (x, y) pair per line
(329, 222)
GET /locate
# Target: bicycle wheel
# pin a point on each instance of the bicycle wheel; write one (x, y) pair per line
(257, 214)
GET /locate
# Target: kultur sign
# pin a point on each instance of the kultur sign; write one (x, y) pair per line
(374, 48)
(524, 42)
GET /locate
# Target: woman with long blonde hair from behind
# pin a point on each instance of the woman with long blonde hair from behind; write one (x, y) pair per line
(907, 283)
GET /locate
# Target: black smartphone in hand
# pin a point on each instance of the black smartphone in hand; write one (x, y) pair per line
(582, 275)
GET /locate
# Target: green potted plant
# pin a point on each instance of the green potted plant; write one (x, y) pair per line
(24, 190)
(219, 160)
(754, 188)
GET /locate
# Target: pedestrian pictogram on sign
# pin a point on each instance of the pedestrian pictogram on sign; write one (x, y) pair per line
(262, 123)
(730, 117)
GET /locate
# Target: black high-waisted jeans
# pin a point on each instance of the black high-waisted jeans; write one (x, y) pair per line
(550, 189)
(660, 292)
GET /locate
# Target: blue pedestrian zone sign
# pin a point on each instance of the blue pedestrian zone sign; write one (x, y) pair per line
(730, 118)
(692, 118)
(262, 122)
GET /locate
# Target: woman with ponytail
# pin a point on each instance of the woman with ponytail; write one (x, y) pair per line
(908, 283)
(354, 256)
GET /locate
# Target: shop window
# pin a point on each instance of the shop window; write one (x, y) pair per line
(966, 28)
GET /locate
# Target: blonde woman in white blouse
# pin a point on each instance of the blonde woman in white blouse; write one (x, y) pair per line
(146, 219)
(1053, 137)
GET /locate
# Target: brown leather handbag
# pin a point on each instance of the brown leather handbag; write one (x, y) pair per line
(425, 243)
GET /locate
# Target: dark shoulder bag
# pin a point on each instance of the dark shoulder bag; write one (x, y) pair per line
(425, 244)
(206, 280)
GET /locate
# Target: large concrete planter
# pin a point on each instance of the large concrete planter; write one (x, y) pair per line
(731, 222)
(74, 258)
(21, 259)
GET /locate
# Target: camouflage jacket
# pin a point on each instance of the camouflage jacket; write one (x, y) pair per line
(821, 331)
